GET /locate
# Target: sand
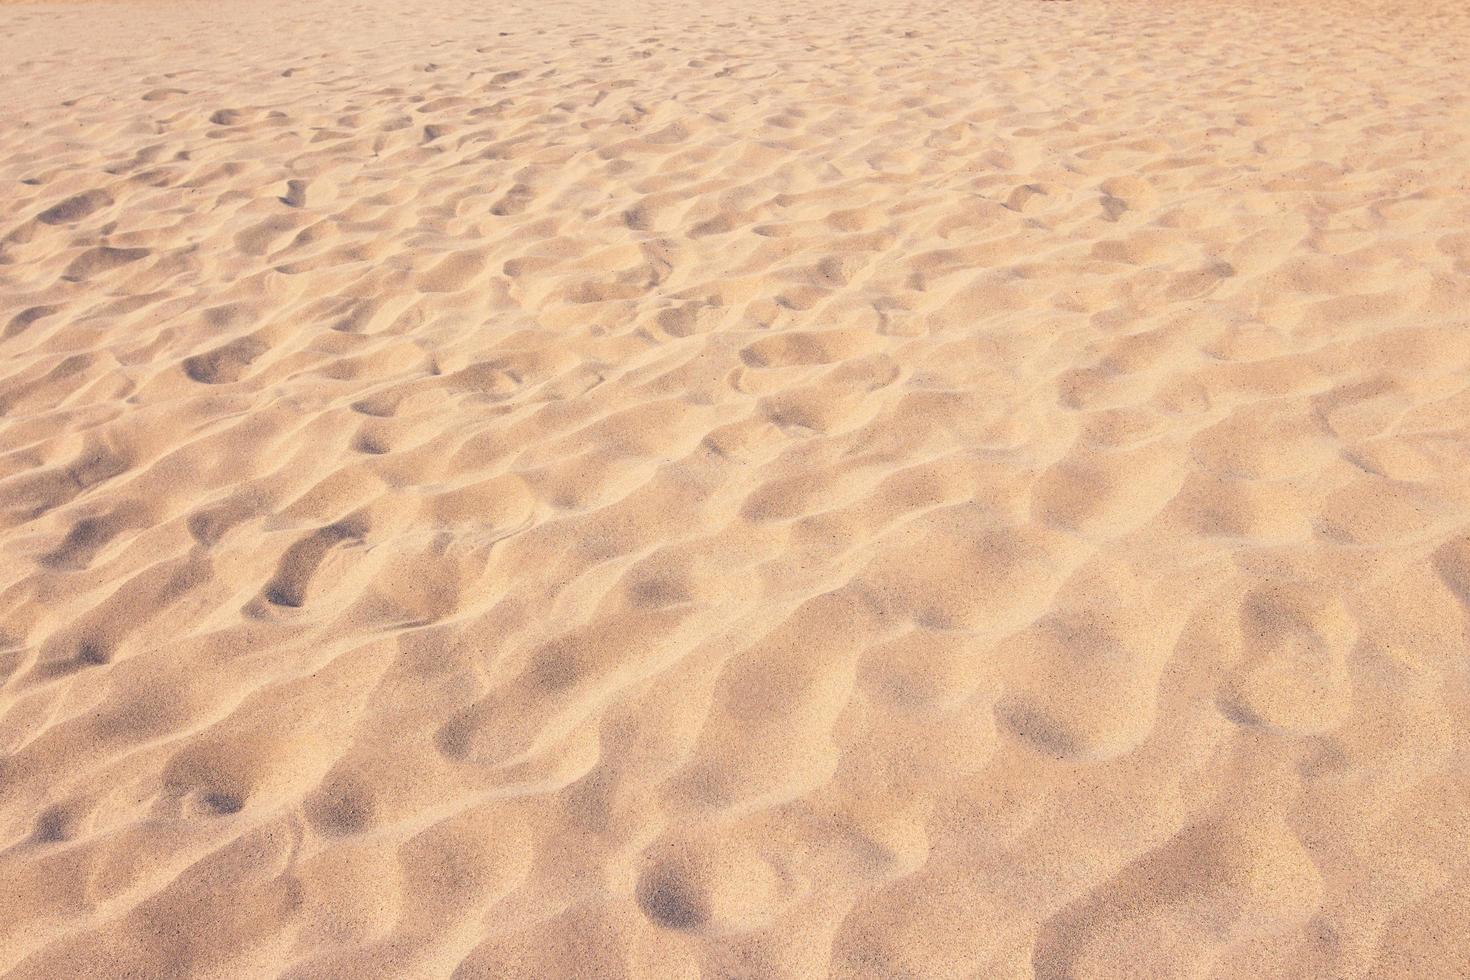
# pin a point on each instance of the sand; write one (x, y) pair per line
(758, 490)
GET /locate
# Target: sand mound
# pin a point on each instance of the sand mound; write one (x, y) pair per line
(649, 490)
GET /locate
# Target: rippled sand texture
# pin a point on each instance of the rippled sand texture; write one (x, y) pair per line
(766, 490)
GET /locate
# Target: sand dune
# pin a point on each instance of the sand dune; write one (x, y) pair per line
(764, 490)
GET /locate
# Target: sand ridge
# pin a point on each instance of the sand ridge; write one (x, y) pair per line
(775, 491)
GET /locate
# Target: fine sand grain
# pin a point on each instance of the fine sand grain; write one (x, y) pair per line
(766, 489)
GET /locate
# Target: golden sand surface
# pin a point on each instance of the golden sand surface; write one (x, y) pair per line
(743, 490)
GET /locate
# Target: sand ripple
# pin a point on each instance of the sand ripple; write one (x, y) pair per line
(650, 490)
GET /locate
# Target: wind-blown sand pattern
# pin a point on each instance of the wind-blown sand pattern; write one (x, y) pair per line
(763, 490)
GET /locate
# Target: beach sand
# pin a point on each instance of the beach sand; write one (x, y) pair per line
(756, 490)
